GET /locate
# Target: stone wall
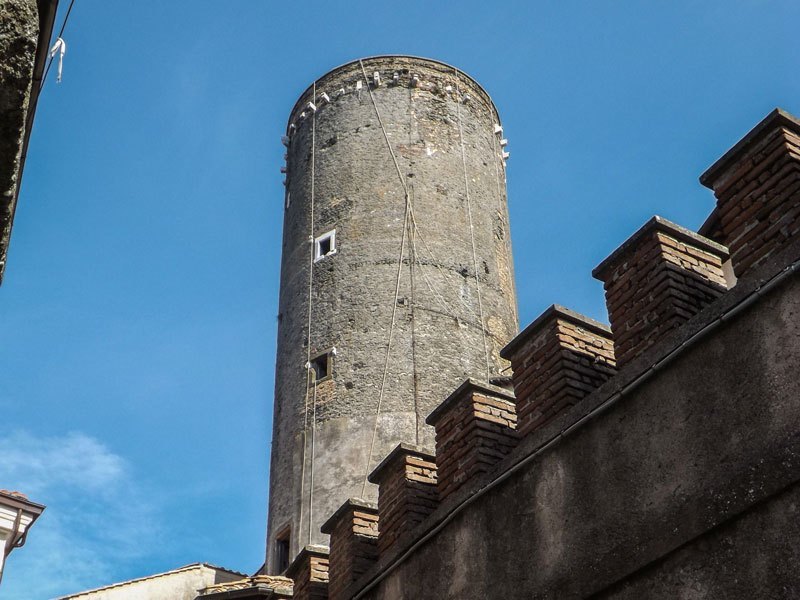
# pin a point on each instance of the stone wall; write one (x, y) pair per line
(19, 33)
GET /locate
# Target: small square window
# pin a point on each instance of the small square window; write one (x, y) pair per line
(321, 366)
(325, 245)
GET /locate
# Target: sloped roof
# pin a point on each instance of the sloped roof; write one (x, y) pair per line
(149, 577)
(275, 583)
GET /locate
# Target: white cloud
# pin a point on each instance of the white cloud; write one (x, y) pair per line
(75, 459)
(98, 519)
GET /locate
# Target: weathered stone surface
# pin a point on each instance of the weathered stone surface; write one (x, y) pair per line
(19, 31)
(358, 191)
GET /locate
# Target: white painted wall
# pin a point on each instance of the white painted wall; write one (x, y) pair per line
(180, 584)
(8, 516)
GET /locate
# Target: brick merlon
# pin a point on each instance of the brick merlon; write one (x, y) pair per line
(350, 503)
(469, 385)
(400, 451)
(671, 229)
(777, 118)
(555, 310)
(308, 551)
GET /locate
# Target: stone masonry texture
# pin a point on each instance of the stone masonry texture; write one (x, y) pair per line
(659, 278)
(757, 185)
(557, 360)
(341, 152)
(19, 31)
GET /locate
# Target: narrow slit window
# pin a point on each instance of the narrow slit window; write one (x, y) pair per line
(325, 245)
(321, 366)
(282, 551)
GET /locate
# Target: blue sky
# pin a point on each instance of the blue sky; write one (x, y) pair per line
(138, 309)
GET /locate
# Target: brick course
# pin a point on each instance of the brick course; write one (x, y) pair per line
(309, 571)
(757, 185)
(475, 428)
(660, 277)
(560, 358)
(353, 531)
(406, 493)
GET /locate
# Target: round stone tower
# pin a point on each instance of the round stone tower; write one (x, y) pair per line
(396, 277)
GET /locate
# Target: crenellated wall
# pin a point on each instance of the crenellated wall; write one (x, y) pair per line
(657, 459)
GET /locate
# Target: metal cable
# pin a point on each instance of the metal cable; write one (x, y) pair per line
(60, 34)
(397, 283)
(388, 347)
(438, 265)
(308, 337)
(471, 226)
(383, 129)
(414, 374)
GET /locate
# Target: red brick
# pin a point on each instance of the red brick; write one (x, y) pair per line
(672, 273)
